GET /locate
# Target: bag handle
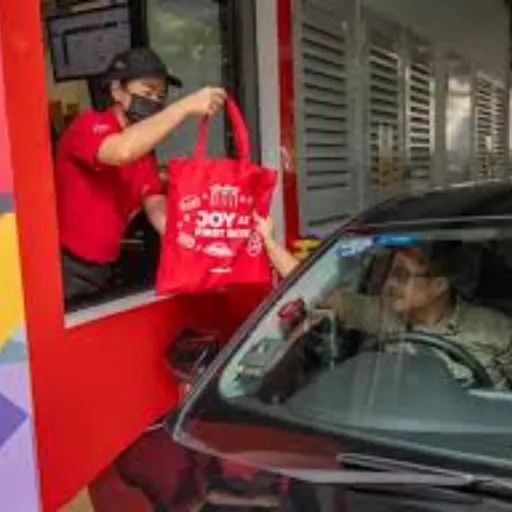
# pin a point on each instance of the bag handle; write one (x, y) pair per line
(240, 132)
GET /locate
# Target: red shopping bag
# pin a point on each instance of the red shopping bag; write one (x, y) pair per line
(210, 240)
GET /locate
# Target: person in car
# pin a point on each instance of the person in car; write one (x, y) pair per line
(418, 295)
(105, 168)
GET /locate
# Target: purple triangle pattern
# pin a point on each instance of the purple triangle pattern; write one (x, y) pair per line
(18, 474)
(15, 385)
(11, 417)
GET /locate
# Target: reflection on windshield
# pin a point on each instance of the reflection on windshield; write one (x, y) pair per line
(404, 337)
(458, 123)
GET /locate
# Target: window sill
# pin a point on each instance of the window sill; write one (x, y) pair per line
(113, 307)
(116, 306)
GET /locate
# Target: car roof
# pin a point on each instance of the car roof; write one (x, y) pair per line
(483, 200)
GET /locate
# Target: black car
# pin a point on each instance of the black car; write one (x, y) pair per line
(378, 376)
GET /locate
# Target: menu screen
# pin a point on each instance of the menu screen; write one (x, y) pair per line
(83, 44)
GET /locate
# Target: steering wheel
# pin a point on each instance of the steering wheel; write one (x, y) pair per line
(452, 349)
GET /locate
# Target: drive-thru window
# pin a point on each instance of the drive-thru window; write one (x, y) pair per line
(204, 42)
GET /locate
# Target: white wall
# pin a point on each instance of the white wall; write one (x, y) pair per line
(268, 87)
(476, 29)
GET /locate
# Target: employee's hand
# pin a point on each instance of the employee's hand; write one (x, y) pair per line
(205, 101)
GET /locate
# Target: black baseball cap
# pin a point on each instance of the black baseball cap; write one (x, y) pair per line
(138, 63)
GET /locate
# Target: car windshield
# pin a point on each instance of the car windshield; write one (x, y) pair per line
(399, 338)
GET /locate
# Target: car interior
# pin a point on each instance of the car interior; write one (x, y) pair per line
(397, 393)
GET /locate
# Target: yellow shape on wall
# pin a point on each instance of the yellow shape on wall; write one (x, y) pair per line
(304, 247)
(11, 297)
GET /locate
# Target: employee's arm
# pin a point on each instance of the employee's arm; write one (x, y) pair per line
(156, 211)
(141, 138)
(283, 261)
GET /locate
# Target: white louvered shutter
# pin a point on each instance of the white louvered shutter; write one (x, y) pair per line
(326, 191)
(509, 146)
(419, 117)
(383, 119)
(483, 127)
(491, 131)
(499, 129)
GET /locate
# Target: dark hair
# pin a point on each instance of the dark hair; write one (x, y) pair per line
(105, 89)
(441, 258)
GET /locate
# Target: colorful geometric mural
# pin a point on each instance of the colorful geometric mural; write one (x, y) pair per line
(11, 303)
(18, 476)
(303, 248)
(19, 488)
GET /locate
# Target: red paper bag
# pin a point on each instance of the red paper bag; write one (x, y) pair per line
(210, 240)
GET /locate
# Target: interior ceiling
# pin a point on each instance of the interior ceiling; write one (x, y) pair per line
(54, 6)
(51, 7)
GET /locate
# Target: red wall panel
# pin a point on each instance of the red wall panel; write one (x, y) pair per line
(287, 115)
(97, 386)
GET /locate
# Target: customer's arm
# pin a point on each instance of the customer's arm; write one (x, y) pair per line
(359, 311)
(141, 138)
(281, 259)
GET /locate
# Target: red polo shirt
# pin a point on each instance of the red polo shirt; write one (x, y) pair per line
(95, 202)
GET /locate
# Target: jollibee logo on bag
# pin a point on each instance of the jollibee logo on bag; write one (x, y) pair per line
(209, 222)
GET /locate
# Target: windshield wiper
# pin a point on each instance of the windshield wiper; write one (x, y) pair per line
(362, 461)
(394, 466)
(362, 470)
(356, 469)
(347, 477)
(423, 475)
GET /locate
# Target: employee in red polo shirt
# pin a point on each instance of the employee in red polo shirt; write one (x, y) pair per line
(106, 170)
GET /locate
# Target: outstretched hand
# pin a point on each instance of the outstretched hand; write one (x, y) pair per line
(264, 226)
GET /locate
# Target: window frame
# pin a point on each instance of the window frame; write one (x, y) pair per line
(233, 416)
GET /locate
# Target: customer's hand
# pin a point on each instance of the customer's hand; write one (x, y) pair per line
(265, 227)
(205, 101)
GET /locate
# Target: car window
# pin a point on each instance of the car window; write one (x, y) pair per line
(401, 338)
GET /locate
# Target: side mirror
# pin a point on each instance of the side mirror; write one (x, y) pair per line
(291, 314)
(191, 352)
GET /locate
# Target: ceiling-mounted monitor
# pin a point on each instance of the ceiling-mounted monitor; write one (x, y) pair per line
(83, 43)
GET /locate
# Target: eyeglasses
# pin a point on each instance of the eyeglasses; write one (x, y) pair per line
(401, 275)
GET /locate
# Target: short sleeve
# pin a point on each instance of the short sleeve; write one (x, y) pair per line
(86, 135)
(140, 180)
